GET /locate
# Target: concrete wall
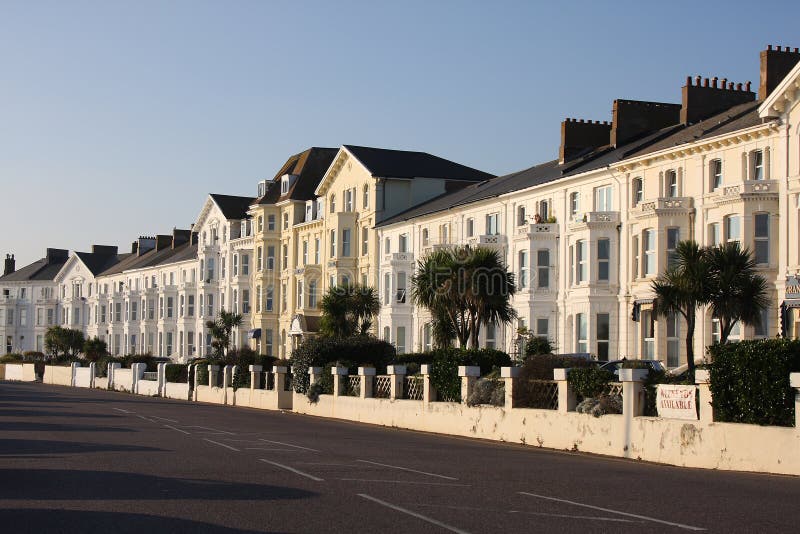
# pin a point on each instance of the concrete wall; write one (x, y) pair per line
(60, 376)
(727, 446)
(147, 387)
(23, 372)
(84, 377)
(214, 395)
(101, 382)
(176, 391)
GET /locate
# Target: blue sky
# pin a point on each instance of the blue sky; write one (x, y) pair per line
(117, 118)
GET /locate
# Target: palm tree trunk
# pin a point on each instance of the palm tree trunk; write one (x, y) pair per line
(690, 324)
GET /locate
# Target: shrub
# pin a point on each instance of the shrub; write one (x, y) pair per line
(750, 381)
(488, 390)
(101, 365)
(541, 367)
(150, 361)
(589, 382)
(11, 358)
(242, 360)
(177, 373)
(357, 350)
(538, 345)
(33, 356)
(601, 405)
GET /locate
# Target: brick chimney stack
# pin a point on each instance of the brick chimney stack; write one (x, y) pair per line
(775, 65)
(633, 119)
(580, 136)
(701, 101)
(11, 264)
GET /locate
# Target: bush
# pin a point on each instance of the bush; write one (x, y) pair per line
(242, 360)
(488, 390)
(177, 373)
(101, 365)
(601, 405)
(750, 381)
(538, 345)
(589, 382)
(357, 350)
(11, 358)
(33, 356)
(541, 367)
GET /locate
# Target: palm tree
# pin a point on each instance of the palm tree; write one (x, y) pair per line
(682, 288)
(348, 310)
(465, 287)
(738, 292)
(221, 330)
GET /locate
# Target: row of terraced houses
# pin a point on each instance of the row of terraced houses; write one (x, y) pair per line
(585, 234)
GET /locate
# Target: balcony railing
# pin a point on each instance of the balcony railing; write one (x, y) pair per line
(399, 257)
(667, 204)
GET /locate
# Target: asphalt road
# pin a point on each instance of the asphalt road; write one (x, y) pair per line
(75, 460)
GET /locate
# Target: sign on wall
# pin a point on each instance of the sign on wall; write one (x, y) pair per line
(792, 288)
(676, 402)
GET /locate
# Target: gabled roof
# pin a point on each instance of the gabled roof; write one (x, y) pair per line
(785, 91)
(308, 167)
(97, 262)
(386, 163)
(736, 118)
(39, 270)
(154, 258)
(232, 207)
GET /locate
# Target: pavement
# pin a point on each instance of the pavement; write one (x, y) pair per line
(85, 461)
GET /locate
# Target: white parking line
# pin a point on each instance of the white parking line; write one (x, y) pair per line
(212, 430)
(146, 419)
(626, 514)
(178, 429)
(292, 469)
(121, 410)
(408, 469)
(542, 514)
(267, 449)
(405, 482)
(163, 419)
(413, 514)
(289, 445)
(221, 444)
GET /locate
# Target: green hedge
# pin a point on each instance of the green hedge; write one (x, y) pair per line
(11, 358)
(750, 381)
(354, 352)
(177, 373)
(589, 382)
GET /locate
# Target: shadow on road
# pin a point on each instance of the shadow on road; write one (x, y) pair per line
(46, 520)
(28, 414)
(19, 426)
(21, 447)
(57, 484)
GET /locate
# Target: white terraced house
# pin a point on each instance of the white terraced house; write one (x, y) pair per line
(588, 232)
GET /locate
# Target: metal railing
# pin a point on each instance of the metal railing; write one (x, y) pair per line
(150, 376)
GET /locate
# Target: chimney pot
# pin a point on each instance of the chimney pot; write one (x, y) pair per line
(769, 47)
(724, 83)
(714, 81)
(747, 86)
(739, 86)
(705, 82)
(697, 80)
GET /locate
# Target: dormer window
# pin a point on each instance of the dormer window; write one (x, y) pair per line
(262, 188)
(320, 207)
(284, 185)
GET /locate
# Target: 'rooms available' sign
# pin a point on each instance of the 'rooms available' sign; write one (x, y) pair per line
(676, 402)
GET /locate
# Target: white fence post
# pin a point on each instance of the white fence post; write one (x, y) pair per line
(162, 379)
(428, 390)
(794, 380)
(92, 368)
(509, 375)
(213, 375)
(469, 375)
(314, 374)
(338, 383)
(111, 368)
(566, 397)
(632, 391)
(367, 375)
(397, 375)
(702, 378)
(73, 368)
(255, 376)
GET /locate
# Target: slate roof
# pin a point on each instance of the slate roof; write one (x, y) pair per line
(97, 262)
(736, 118)
(153, 258)
(309, 166)
(233, 207)
(39, 270)
(386, 163)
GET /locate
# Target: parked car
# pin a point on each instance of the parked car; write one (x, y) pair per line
(615, 365)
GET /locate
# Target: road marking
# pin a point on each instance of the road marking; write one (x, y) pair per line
(121, 410)
(289, 445)
(213, 430)
(293, 470)
(163, 419)
(146, 419)
(543, 514)
(178, 429)
(408, 469)
(413, 514)
(646, 518)
(221, 445)
(405, 482)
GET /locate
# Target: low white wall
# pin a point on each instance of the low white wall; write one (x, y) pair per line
(83, 377)
(60, 376)
(263, 399)
(123, 380)
(147, 387)
(176, 391)
(691, 444)
(210, 394)
(13, 371)
(101, 382)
